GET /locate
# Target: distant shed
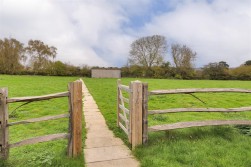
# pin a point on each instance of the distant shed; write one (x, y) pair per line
(106, 73)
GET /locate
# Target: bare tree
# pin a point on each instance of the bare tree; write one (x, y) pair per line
(40, 54)
(183, 58)
(148, 51)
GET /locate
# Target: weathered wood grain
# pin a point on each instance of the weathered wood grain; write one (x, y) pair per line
(145, 113)
(75, 89)
(125, 99)
(118, 101)
(198, 90)
(40, 139)
(4, 118)
(180, 125)
(124, 109)
(124, 119)
(176, 110)
(123, 128)
(125, 88)
(37, 98)
(46, 118)
(122, 105)
(70, 142)
(136, 113)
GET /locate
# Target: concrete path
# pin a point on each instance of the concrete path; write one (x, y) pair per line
(102, 149)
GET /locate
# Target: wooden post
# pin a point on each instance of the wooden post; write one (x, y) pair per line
(4, 130)
(118, 101)
(136, 113)
(75, 124)
(145, 113)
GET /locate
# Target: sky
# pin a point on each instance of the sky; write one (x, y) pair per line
(100, 32)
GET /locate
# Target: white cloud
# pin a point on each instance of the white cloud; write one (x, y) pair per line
(219, 31)
(98, 33)
(77, 28)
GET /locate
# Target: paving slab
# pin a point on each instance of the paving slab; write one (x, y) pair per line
(95, 121)
(94, 116)
(102, 133)
(106, 153)
(127, 162)
(90, 128)
(102, 149)
(102, 142)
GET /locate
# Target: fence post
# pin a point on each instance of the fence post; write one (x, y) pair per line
(118, 101)
(145, 113)
(136, 97)
(4, 130)
(75, 121)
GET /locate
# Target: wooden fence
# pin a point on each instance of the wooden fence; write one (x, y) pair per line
(74, 134)
(137, 125)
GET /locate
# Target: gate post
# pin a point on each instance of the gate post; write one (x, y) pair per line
(75, 121)
(138, 113)
(118, 101)
(4, 130)
(145, 113)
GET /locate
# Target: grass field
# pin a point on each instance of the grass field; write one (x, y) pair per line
(43, 154)
(222, 146)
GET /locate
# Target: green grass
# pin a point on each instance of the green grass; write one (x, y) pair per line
(211, 146)
(43, 154)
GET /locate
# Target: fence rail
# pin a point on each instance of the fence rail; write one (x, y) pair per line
(138, 110)
(198, 90)
(74, 134)
(40, 139)
(33, 120)
(38, 98)
(176, 110)
(124, 87)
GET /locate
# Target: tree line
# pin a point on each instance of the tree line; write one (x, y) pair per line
(35, 58)
(147, 55)
(146, 59)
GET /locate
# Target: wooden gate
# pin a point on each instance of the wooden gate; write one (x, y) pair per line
(133, 120)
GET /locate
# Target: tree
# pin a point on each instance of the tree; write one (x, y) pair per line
(183, 58)
(248, 63)
(223, 64)
(40, 54)
(148, 51)
(59, 68)
(242, 72)
(11, 56)
(216, 70)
